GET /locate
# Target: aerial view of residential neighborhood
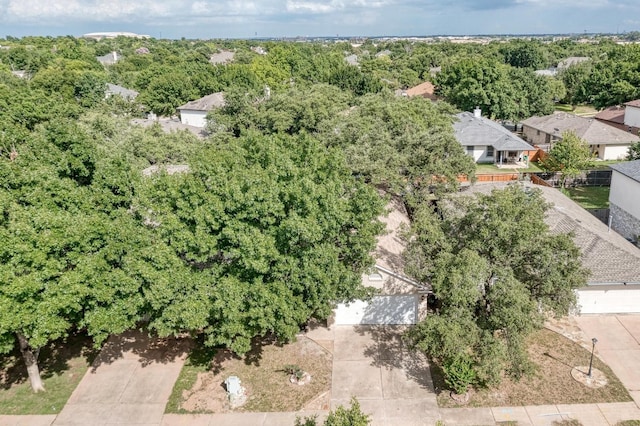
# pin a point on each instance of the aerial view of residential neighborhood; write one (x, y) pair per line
(319, 213)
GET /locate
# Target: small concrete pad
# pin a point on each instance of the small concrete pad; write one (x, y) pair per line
(29, 420)
(186, 420)
(586, 414)
(237, 419)
(618, 411)
(467, 416)
(511, 414)
(351, 345)
(543, 415)
(355, 378)
(319, 332)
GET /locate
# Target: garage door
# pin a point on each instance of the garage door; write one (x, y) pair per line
(609, 301)
(396, 309)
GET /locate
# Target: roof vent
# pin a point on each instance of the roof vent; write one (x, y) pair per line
(477, 112)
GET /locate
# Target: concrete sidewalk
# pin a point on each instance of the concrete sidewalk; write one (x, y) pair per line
(539, 415)
(132, 379)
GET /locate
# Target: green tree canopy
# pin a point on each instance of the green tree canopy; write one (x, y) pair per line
(269, 230)
(570, 156)
(495, 270)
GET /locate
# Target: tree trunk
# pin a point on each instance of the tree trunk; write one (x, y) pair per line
(30, 357)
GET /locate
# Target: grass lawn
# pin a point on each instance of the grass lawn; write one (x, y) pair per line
(604, 164)
(62, 366)
(554, 357)
(590, 197)
(492, 169)
(200, 386)
(577, 109)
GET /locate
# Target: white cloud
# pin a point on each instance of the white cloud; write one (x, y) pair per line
(330, 6)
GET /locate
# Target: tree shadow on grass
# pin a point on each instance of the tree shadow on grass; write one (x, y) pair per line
(54, 359)
(149, 349)
(213, 358)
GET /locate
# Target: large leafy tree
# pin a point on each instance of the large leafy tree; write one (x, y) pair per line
(495, 270)
(269, 231)
(570, 156)
(73, 257)
(406, 145)
(501, 91)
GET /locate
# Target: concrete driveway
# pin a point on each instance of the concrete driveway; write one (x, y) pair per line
(618, 346)
(129, 382)
(372, 364)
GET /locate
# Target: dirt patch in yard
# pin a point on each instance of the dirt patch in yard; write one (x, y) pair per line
(554, 356)
(262, 374)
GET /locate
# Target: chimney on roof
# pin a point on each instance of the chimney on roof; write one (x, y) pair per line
(477, 112)
(115, 56)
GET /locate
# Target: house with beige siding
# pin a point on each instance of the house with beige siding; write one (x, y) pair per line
(606, 142)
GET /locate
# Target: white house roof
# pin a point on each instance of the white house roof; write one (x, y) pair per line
(207, 103)
(480, 131)
(609, 256)
(630, 169)
(592, 131)
(222, 57)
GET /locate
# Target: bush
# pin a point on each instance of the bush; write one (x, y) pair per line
(352, 416)
(459, 373)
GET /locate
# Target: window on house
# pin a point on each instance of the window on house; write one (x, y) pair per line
(490, 151)
(538, 132)
(470, 150)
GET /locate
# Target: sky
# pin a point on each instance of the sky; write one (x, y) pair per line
(289, 18)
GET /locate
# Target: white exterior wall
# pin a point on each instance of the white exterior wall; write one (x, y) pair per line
(625, 193)
(609, 301)
(615, 152)
(632, 116)
(391, 309)
(193, 118)
(480, 154)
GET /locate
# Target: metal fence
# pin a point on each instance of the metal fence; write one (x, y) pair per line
(601, 214)
(587, 178)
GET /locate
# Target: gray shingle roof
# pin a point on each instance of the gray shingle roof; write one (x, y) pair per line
(592, 131)
(114, 89)
(571, 61)
(628, 168)
(610, 258)
(480, 131)
(207, 103)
